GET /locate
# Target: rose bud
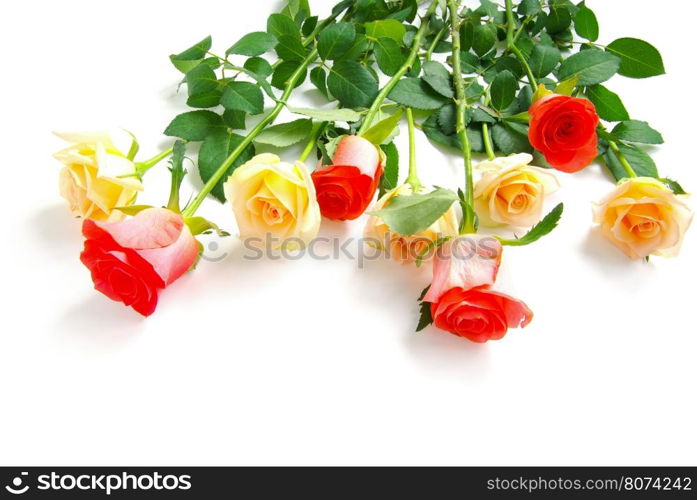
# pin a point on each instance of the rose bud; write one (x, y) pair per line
(132, 260)
(643, 217)
(461, 299)
(97, 175)
(564, 130)
(347, 187)
(273, 199)
(408, 248)
(511, 191)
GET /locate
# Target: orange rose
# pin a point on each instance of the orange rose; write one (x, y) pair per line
(643, 217)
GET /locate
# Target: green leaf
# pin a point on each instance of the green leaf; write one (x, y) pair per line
(642, 164)
(511, 138)
(467, 36)
(283, 72)
(285, 134)
(206, 100)
(309, 25)
(434, 133)
(214, 150)
(336, 40)
(389, 28)
(243, 96)
(608, 105)
(558, 20)
(544, 60)
(384, 129)
(530, 8)
(259, 66)
(447, 118)
(566, 87)
(388, 55)
(191, 57)
(297, 9)
(253, 44)
(328, 115)
(484, 39)
(290, 48)
(352, 84)
(637, 131)
(235, 119)
(425, 316)
(415, 93)
(280, 25)
(586, 24)
(503, 90)
(359, 49)
(318, 77)
(439, 78)
(201, 80)
(543, 228)
(390, 176)
(640, 59)
(673, 185)
(469, 62)
(408, 215)
(591, 66)
(194, 125)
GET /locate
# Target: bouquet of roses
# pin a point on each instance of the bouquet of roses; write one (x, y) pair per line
(522, 85)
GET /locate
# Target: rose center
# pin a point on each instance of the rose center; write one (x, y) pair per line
(273, 214)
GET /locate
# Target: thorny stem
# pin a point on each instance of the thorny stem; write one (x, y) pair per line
(469, 223)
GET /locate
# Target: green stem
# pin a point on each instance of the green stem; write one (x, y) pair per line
(317, 130)
(469, 221)
(487, 142)
(602, 132)
(510, 41)
(402, 71)
(436, 39)
(143, 166)
(265, 122)
(623, 159)
(488, 147)
(413, 179)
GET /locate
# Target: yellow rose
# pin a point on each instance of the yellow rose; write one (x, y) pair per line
(642, 216)
(274, 199)
(91, 179)
(406, 249)
(511, 191)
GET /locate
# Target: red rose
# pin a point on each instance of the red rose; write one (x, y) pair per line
(479, 314)
(132, 260)
(564, 130)
(347, 187)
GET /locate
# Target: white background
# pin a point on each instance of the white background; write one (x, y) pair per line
(316, 362)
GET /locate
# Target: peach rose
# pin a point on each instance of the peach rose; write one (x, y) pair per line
(643, 217)
(271, 198)
(406, 249)
(511, 191)
(95, 177)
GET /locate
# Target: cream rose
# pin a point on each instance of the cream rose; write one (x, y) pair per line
(274, 199)
(94, 179)
(642, 216)
(511, 191)
(406, 249)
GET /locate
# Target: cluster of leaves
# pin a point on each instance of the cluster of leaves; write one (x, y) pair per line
(546, 34)
(348, 57)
